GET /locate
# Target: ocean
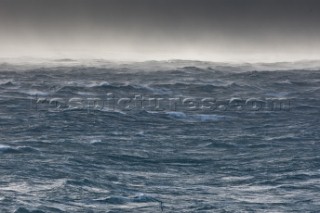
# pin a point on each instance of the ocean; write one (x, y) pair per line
(167, 138)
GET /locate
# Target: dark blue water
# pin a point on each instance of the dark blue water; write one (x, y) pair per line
(229, 142)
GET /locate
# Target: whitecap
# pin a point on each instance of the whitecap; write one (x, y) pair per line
(195, 117)
(18, 149)
(179, 115)
(6, 82)
(34, 92)
(98, 84)
(205, 117)
(4, 148)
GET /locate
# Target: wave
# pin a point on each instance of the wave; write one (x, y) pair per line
(24, 210)
(34, 92)
(203, 86)
(188, 66)
(19, 149)
(283, 137)
(158, 88)
(98, 84)
(139, 198)
(103, 86)
(6, 82)
(194, 117)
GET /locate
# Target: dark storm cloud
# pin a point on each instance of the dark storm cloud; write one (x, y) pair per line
(151, 26)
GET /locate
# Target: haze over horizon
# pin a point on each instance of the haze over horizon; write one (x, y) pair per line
(140, 30)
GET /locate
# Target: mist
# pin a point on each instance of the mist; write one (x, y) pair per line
(210, 30)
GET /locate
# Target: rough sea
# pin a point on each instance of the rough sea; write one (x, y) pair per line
(171, 137)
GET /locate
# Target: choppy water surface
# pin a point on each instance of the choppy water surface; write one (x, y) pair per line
(63, 156)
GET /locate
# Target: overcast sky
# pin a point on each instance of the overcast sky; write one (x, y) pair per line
(215, 30)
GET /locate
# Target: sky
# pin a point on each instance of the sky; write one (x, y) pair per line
(138, 30)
